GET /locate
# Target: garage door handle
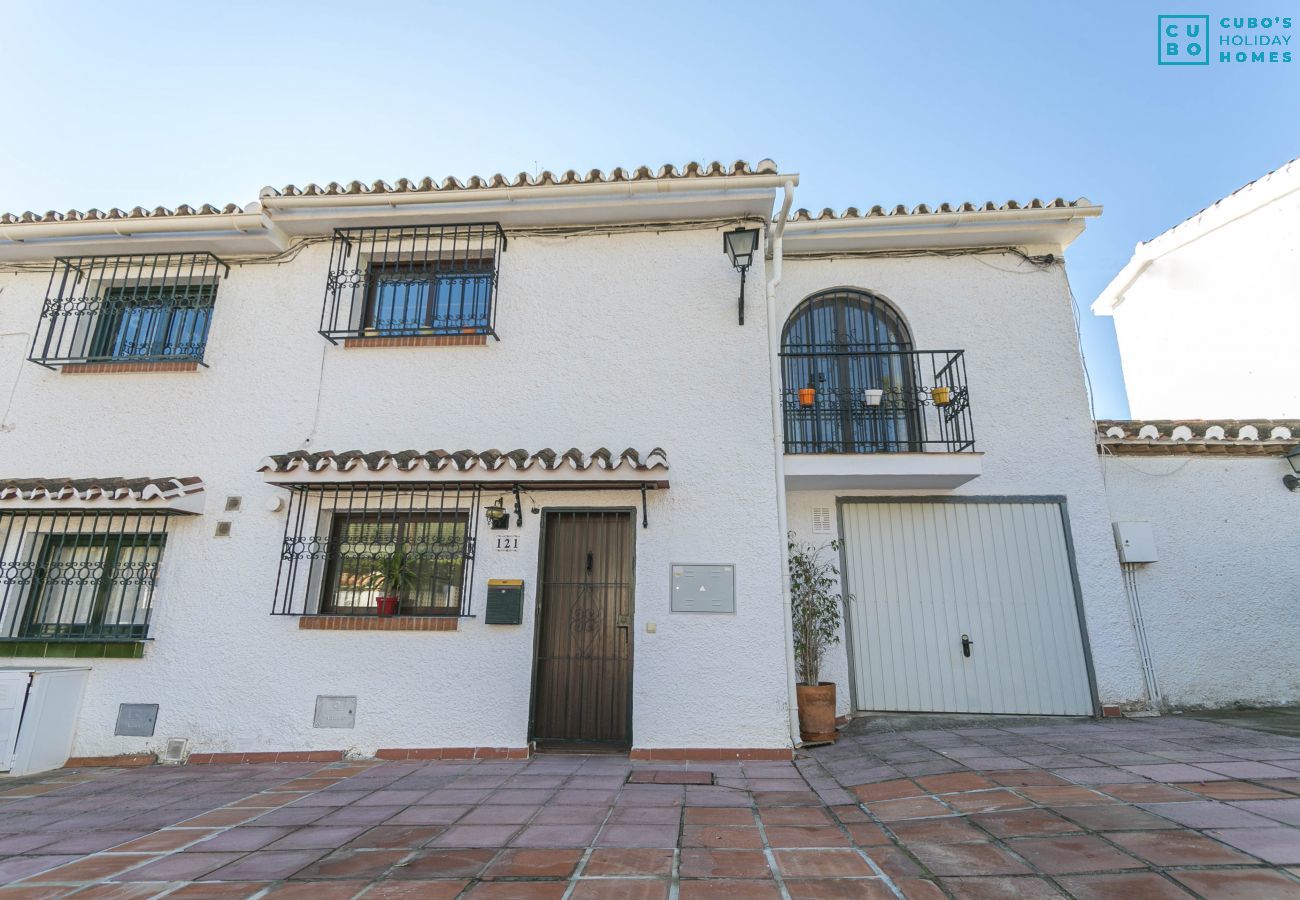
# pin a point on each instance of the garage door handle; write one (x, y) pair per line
(966, 644)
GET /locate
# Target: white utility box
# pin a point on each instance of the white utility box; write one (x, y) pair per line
(1136, 542)
(38, 717)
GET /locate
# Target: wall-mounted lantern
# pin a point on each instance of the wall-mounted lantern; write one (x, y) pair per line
(740, 246)
(1292, 481)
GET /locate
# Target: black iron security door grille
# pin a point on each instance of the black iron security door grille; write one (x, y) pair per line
(146, 308)
(412, 280)
(348, 545)
(79, 575)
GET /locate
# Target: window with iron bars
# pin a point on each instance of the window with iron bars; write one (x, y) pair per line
(83, 575)
(412, 280)
(367, 549)
(154, 308)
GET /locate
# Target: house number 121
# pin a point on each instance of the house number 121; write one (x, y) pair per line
(508, 542)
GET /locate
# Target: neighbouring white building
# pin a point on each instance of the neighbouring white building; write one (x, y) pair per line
(1203, 311)
(468, 468)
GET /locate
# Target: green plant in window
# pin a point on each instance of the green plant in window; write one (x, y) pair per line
(397, 572)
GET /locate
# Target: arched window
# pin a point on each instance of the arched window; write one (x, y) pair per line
(837, 346)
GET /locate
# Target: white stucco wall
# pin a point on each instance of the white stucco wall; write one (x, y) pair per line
(1203, 332)
(1220, 603)
(1029, 408)
(615, 341)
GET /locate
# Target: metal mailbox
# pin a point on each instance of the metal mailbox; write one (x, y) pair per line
(505, 602)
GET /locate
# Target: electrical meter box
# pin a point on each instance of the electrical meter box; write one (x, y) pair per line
(1136, 542)
(708, 589)
(505, 602)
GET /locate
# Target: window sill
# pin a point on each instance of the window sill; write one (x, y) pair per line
(418, 340)
(378, 623)
(101, 368)
(40, 648)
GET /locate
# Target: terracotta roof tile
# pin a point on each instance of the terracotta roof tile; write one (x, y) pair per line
(464, 460)
(14, 490)
(852, 212)
(1181, 436)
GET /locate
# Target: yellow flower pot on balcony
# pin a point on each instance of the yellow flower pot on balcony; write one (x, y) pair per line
(941, 396)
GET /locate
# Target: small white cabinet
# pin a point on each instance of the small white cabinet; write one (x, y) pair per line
(38, 717)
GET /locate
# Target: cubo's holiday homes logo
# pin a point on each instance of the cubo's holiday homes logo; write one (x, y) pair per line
(1185, 40)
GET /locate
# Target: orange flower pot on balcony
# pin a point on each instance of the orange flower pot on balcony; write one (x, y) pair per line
(807, 396)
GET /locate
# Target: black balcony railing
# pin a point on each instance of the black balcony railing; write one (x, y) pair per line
(154, 308)
(405, 281)
(887, 401)
(370, 549)
(85, 575)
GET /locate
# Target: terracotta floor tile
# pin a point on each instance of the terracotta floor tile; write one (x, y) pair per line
(866, 834)
(1280, 846)
(36, 892)
(385, 837)
(844, 889)
(317, 890)
(1070, 854)
(415, 890)
(1114, 818)
(1000, 888)
(702, 815)
(822, 863)
(911, 808)
(620, 889)
(179, 867)
(888, 790)
(1026, 822)
(919, 889)
(1178, 848)
(951, 830)
(1150, 793)
(1064, 795)
(1239, 884)
(219, 891)
(1025, 778)
(1125, 886)
(93, 868)
(701, 862)
(986, 801)
(518, 890)
(168, 839)
(445, 864)
(955, 781)
(365, 864)
(894, 862)
(530, 863)
(263, 865)
(967, 859)
(849, 814)
(139, 890)
(629, 861)
(806, 836)
(729, 890)
(715, 836)
(1232, 790)
(220, 818)
(794, 815)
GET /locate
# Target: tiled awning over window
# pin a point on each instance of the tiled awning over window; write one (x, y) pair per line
(539, 468)
(169, 494)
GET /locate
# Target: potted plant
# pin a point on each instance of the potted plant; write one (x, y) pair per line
(873, 396)
(941, 395)
(815, 609)
(807, 396)
(395, 573)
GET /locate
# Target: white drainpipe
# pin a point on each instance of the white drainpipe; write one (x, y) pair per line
(774, 374)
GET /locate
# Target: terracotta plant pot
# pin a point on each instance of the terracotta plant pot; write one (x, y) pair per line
(807, 396)
(817, 712)
(386, 606)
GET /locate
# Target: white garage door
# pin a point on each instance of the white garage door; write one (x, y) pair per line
(963, 607)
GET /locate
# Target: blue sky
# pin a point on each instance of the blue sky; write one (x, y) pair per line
(135, 103)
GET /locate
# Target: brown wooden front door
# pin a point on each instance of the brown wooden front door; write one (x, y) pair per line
(582, 690)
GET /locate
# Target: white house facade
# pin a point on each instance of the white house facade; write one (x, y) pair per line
(1201, 310)
(476, 468)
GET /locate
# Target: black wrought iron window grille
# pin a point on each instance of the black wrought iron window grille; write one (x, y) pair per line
(378, 549)
(851, 382)
(85, 575)
(147, 308)
(412, 280)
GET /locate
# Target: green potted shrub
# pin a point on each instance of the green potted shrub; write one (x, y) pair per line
(395, 573)
(816, 612)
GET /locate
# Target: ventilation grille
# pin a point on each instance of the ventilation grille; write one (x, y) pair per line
(177, 750)
(821, 520)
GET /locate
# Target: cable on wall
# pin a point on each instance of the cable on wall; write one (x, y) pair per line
(1139, 626)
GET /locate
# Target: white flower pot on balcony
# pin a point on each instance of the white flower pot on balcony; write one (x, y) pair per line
(872, 396)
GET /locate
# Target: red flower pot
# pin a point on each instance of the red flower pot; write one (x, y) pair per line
(386, 606)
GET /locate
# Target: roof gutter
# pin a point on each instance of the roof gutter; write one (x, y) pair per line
(778, 443)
